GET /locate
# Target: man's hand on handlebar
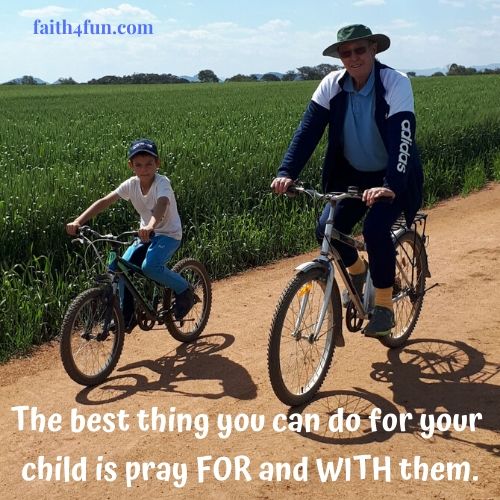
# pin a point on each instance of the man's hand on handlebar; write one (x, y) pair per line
(372, 195)
(280, 185)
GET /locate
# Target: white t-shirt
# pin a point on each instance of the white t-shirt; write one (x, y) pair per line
(130, 189)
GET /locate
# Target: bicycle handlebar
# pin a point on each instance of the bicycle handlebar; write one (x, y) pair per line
(88, 233)
(89, 237)
(352, 192)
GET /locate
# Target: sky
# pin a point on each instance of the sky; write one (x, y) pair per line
(230, 37)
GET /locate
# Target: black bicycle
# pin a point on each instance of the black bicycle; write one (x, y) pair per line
(307, 323)
(93, 331)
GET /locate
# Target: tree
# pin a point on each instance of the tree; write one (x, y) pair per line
(270, 77)
(316, 72)
(438, 73)
(242, 78)
(67, 81)
(457, 69)
(309, 73)
(139, 78)
(324, 69)
(207, 76)
(290, 75)
(411, 74)
(28, 80)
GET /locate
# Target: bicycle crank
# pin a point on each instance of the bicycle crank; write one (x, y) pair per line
(143, 321)
(352, 321)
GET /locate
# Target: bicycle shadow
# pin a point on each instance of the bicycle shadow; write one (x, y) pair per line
(195, 361)
(457, 383)
(435, 377)
(327, 404)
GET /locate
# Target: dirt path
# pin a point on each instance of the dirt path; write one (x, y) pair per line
(451, 366)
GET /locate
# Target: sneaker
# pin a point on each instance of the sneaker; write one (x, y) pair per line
(381, 322)
(111, 326)
(183, 303)
(129, 326)
(358, 280)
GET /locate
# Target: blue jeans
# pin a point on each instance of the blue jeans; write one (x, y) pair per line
(151, 257)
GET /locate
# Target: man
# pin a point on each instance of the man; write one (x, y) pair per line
(369, 110)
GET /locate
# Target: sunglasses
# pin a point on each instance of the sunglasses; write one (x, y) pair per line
(359, 51)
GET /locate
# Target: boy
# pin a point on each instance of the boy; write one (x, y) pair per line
(153, 198)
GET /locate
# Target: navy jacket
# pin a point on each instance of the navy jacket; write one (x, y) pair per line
(395, 118)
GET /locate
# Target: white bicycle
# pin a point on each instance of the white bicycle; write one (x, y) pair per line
(307, 323)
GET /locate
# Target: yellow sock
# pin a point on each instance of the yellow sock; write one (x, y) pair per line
(383, 297)
(358, 267)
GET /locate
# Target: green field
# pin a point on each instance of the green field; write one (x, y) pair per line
(65, 146)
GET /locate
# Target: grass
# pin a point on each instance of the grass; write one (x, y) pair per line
(62, 147)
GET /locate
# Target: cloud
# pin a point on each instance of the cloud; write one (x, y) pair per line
(223, 26)
(453, 3)
(489, 4)
(124, 10)
(275, 25)
(229, 48)
(423, 40)
(397, 24)
(230, 33)
(50, 11)
(368, 3)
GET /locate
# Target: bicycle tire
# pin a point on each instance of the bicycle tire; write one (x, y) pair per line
(87, 357)
(408, 295)
(298, 388)
(193, 324)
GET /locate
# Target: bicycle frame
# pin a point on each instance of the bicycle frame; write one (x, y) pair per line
(330, 259)
(329, 255)
(123, 270)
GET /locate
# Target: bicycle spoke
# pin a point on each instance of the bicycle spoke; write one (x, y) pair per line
(303, 357)
(87, 355)
(409, 288)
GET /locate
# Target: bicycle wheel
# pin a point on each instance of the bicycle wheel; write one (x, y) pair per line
(191, 326)
(409, 287)
(298, 360)
(89, 354)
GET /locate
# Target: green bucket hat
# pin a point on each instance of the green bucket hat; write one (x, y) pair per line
(353, 33)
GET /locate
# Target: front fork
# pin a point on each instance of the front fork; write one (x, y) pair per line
(304, 300)
(109, 294)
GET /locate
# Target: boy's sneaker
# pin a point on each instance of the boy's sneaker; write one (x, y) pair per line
(183, 303)
(358, 280)
(129, 326)
(381, 322)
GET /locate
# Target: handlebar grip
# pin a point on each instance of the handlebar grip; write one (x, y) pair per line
(354, 190)
(82, 230)
(135, 234)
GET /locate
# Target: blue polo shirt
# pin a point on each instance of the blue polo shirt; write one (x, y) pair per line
(363, 145)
